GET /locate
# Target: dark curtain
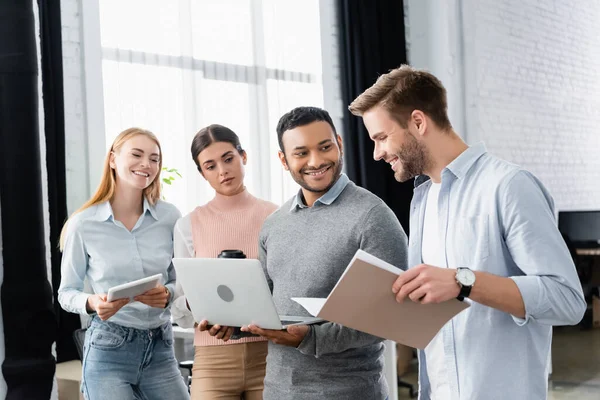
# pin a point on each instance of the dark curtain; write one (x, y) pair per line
(372, 41)
(26, 294)
(54, 126)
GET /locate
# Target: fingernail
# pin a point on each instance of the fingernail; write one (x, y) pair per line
(394, 290)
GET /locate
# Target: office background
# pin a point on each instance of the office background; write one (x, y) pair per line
(522, 76)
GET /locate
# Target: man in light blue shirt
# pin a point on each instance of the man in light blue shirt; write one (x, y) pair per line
(482, 230)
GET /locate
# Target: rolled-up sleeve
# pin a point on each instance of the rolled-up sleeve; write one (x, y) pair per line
(549, 285)
(73, 270)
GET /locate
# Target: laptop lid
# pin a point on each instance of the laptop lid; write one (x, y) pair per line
(227, 291)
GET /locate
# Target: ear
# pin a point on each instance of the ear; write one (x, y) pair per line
(244, 157)
(111, 161)
(340, 143)
(283, 160)
(418, 119)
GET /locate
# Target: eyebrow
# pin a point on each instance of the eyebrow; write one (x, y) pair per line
(375, 136)
(142, 151)
(227, 153)
(321, 143)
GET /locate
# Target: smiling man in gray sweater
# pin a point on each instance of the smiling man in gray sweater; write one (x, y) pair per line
(305, 246)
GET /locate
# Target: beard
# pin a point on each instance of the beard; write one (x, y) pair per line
(336, 168)
(413, 160)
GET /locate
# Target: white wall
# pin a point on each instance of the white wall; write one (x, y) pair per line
(332, 85)
(434, 42)
(525, 74)
(79, 184)
(534, 90)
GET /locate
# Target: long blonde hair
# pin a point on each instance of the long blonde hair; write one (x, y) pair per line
(106, 188)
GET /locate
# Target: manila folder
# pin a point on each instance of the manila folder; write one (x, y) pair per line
(363, 300)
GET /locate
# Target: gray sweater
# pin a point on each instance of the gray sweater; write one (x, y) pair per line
(304, 252)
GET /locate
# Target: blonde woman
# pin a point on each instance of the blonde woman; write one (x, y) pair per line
(124, 233)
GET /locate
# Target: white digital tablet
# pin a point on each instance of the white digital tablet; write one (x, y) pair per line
(132, 289)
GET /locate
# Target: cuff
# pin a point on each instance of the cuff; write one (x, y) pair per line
(180, 313)
(532, 294)
(308, 345)
(81, 304)
(171, 288)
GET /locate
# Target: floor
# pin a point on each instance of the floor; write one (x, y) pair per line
(576, 366)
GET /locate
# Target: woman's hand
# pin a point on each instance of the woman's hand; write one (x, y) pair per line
(157, 297)
(103, 308)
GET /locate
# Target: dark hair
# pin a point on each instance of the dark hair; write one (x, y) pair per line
(301, 116)
(212, 134)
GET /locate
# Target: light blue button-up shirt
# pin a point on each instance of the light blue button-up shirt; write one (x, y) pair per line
(496, 217)
(100, 248)
(328, 198)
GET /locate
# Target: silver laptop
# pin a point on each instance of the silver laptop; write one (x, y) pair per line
(231, 292)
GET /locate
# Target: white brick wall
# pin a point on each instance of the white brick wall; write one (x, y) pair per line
(531, 91)
(75, 122)
(332, 85)
(534, 90)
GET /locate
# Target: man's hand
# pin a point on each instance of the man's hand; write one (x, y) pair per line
(157, 297)
(220, 332)
(426, 284)
(103, 308)
(293, 336)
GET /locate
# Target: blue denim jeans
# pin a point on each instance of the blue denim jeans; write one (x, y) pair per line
(124, 363)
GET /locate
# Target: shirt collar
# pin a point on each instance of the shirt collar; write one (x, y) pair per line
(328, 198)
(150, 208)
(104, 210)
(461, 164)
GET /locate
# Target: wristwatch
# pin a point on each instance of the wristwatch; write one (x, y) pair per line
(168, 292)
(465, 279)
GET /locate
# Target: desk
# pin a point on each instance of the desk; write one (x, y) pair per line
(588, 252)
(183, 345)
(183, 333)
(589, 265)
(68, 379)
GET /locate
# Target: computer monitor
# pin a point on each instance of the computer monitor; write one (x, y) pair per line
(581, 227)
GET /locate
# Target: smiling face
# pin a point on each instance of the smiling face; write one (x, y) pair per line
(136, 163)
(395, 145)
(222, 166)
(313, 155)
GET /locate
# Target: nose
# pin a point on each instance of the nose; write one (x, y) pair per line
(315, 160)
(222, 170)
(378, 154)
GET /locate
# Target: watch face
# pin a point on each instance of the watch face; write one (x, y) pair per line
(465, 276)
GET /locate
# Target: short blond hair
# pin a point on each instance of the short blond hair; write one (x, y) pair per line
(403, 90)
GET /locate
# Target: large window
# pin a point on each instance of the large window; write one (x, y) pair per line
(174, 67)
